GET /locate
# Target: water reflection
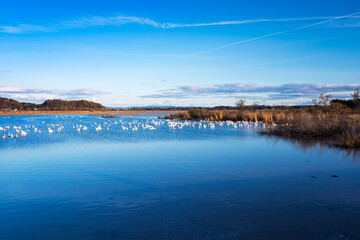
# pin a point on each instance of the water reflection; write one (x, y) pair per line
(316, 147)
(186, 182)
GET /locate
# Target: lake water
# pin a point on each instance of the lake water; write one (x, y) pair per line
(165, 183)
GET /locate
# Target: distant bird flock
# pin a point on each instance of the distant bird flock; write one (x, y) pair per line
(15, 131)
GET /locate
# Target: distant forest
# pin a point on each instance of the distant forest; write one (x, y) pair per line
(51, 105)
(83, 105)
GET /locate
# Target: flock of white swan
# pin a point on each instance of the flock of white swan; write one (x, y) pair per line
(22, 130)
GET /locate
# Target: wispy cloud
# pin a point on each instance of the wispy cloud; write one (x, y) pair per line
(5, 71)
(261, 20)
(21, 93)
(24, 28)
(346, 23)
(118, 20)
(284, 91)
(276, 33)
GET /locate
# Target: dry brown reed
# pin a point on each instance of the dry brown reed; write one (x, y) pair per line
(265, 116)
(337, 128)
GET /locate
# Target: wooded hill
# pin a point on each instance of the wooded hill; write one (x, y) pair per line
(51, 105)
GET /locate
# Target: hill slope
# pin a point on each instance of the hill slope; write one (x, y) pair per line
(51, 105)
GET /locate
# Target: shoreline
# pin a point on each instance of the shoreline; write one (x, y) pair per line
(337, 128)
(108, 113)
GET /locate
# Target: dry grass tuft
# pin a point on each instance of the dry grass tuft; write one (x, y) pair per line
(338, 128)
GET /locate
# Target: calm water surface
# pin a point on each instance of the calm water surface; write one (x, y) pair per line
(189, 183)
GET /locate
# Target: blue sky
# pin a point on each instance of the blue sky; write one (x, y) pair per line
(182, 53)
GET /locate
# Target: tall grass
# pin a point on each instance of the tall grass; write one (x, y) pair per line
(265, 116)
(337, 128)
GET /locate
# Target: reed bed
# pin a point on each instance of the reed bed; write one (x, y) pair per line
(339, 129)
(265, 116)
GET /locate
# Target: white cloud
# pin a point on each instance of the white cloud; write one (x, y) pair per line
(24, 28)
(117, 20)
(249, 91)
(328, 20)
(21, 93)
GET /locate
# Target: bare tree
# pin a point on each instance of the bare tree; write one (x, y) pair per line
(356, 95)
(240, 104)
(315, 102)
(322, 101)
(254, 106)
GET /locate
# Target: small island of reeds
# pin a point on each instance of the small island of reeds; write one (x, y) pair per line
(335, 122)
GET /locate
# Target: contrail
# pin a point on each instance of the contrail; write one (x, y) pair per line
(272, 34)
(100, 21)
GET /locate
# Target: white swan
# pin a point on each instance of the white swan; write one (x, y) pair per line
(23, 133)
